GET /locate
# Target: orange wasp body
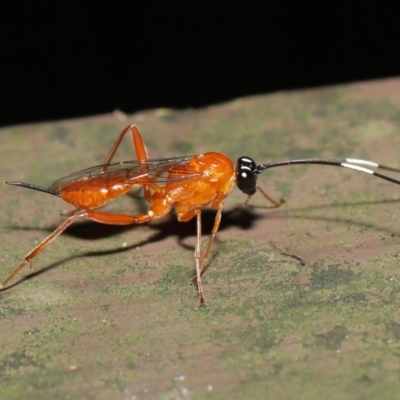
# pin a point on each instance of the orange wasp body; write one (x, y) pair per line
(189, 183)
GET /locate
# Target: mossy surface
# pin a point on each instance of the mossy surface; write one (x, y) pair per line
(302, 301)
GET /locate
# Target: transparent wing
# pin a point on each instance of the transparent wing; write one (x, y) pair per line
(155, 170)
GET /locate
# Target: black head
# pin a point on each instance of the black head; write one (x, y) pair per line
(246, 178)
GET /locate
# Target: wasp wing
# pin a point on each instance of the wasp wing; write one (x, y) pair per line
(156, 170)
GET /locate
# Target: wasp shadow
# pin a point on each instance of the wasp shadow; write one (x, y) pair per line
(241, 217)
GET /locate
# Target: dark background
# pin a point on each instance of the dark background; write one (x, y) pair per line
(62, 60)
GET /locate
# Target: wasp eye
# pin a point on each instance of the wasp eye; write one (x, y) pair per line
(246, 180)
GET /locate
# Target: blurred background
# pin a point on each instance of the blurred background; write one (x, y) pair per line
(65, 60)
